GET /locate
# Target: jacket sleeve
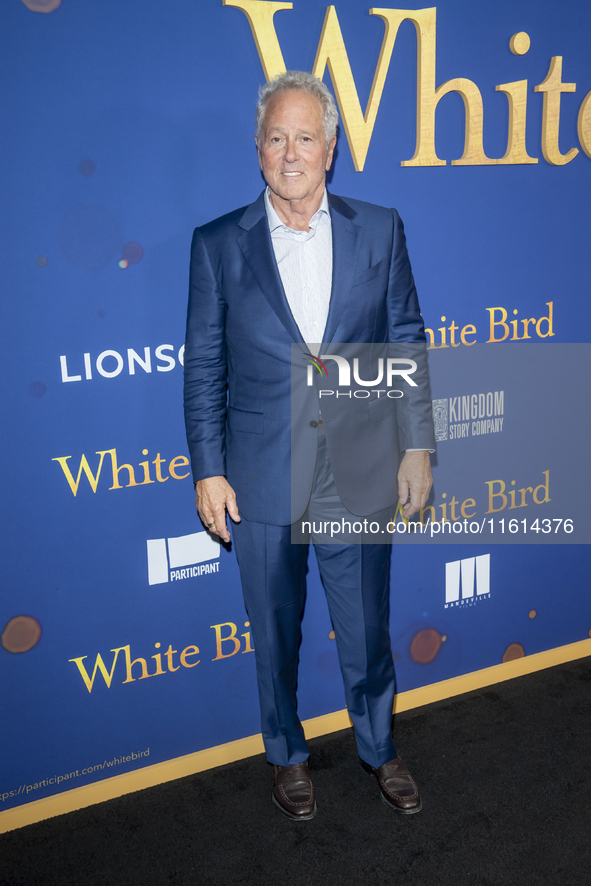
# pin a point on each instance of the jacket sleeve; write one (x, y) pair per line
(408, 344)
(205, 372)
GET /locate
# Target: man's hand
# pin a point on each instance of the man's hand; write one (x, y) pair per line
(414, 479)
(213, 497)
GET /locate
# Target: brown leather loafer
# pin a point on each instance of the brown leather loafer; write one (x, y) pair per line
(293, 792)
(398, 789)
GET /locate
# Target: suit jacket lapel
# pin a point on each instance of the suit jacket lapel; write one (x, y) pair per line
(257, 249)
(345, 247)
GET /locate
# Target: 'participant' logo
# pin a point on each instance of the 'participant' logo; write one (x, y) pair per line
(171, 559)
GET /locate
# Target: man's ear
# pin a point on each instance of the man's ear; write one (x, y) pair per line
(330, 152)
(256, 141)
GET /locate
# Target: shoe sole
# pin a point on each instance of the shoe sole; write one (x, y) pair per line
(295, 817)
(398, 809)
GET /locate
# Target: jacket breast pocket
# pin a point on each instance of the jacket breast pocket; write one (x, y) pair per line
(245, 422)
(369, 273)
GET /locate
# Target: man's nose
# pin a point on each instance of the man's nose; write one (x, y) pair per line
(291, 150)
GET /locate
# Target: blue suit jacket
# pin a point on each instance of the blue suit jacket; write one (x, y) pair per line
(241, 418)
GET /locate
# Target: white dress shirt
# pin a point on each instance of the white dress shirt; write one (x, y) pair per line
(304, 259)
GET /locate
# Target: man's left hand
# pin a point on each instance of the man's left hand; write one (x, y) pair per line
(414, 480)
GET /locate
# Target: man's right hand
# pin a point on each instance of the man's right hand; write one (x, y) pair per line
(213, 497)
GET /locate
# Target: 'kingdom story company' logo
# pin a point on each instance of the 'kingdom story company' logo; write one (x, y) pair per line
(469, 415)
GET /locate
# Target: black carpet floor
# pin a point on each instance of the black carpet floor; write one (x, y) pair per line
(505, 774)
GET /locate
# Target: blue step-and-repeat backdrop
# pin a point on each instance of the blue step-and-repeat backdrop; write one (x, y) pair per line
(126, 124)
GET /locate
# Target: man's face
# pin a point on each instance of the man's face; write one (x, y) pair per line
(292, 149)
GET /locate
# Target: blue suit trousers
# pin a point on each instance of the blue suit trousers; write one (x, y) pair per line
(356, 582)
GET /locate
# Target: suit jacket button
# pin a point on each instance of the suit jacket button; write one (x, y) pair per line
(313, 424)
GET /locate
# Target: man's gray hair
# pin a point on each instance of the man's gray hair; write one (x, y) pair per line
(300, 80)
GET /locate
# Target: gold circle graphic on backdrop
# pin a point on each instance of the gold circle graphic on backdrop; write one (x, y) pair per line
(513, 651)
(21, 633)
(425, 645)
(519, 43)
(42, 5)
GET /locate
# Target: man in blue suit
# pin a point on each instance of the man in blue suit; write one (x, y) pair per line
(297, 268)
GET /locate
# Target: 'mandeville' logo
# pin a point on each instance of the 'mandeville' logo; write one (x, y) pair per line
(188, 556)
(469, 416)
(462, 574)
